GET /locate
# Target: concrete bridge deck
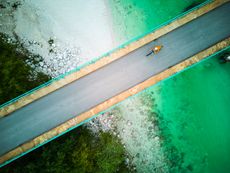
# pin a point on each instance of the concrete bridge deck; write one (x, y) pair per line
(85, 93)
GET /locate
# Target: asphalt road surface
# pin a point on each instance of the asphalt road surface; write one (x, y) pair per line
(87, 92)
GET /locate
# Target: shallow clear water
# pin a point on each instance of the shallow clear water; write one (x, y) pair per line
(194, 115)
(134, 17)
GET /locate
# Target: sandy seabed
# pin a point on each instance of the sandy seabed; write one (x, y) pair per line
(66, 34)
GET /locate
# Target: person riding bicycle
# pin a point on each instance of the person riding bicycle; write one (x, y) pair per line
(155, 50)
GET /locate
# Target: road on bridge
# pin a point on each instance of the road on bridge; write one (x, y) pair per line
(59, 106)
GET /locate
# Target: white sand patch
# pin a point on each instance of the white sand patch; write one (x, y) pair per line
(140, 136)
(79, 31)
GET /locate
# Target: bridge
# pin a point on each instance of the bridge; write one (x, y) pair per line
(47, 113)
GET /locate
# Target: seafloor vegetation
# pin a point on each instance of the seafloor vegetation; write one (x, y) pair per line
(18, 70)
(79, 151)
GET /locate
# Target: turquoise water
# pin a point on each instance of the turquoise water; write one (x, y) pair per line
(194, 117)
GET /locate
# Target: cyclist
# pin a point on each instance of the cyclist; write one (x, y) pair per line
(155, 50)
